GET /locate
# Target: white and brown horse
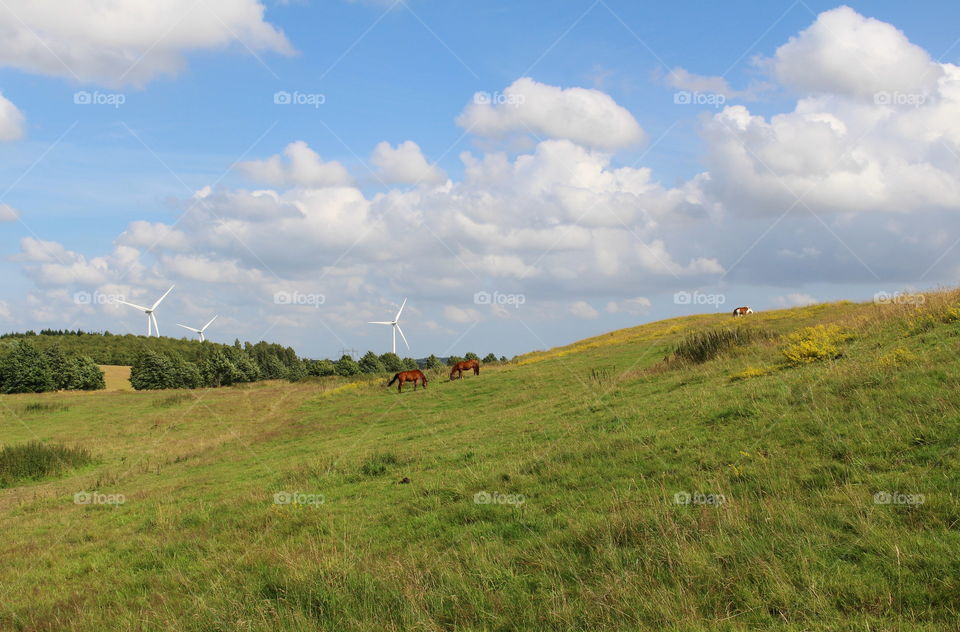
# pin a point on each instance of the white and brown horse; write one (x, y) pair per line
(742, 311)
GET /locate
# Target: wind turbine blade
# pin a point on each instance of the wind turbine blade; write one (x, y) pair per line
(402, 336)
(140, 307)
(204, 328)
(379, 322)
(400, 310)
(156, 327)
(196, 331)
(162, 297)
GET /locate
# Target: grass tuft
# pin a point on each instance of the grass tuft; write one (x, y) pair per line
(702, 346)
(43, 407)
(35, 460)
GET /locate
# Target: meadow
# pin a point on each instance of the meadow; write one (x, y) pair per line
(783, 478)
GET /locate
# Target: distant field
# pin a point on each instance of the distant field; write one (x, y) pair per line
(116, 377)
(589, 487)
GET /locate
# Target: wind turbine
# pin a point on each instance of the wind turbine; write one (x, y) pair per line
(395, 323)
(198, 331)
(152, 325)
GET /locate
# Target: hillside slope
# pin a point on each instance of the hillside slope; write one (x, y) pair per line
(590, 487)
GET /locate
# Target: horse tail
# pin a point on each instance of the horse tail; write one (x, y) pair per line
(395, 378)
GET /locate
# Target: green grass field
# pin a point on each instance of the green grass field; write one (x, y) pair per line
(591, 487)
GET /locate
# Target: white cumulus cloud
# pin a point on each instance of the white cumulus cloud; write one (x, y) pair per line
(11, 120)
(302, 167)
(405, 164)
(585, 116)
(129, 42)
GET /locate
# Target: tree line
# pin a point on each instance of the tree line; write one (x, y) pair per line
(66, 359)
(26, 369)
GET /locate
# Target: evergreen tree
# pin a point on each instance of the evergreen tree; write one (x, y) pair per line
(151, 371)
(453, 360)
(391, 362)
(297, 372)
(409, 364)
(25, 370)
(489, 358)
(83, 374)
(272, 368)
(503, 359)
(471, 356)
(370, 363)
(216, 369)
(59, 366)
(433, 362)
(347, 366)
(184, 374)
(249, 368)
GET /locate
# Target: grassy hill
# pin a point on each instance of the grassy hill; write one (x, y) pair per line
(590, 487)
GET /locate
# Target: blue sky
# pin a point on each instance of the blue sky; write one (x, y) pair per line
(796, 187)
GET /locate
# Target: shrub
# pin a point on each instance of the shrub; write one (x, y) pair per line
(702, 346)
(35, 460)
(471, 356)
(370, 363)
(749, 372)
(489, 358)
(322, 368)
(433, 362)
(347, 366)
(391, 362)
(453, 360)
(897, 357)
(409, 364)
(814, 343)
(296, 372)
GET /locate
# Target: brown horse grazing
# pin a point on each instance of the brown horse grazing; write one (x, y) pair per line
(408, 376)
(466, 365)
